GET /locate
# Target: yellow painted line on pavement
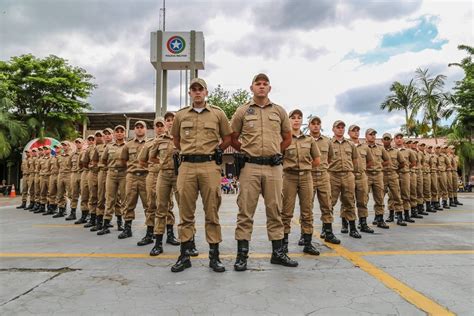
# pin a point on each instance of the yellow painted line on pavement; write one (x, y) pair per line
(146, 256)
(414, 252)
(414, 297)
(443, 224)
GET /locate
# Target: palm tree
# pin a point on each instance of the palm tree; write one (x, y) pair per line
(403, 98)
(435, 103)
(13, 134)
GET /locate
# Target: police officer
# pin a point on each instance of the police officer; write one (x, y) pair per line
(75, 185)
(196, 132)
(25, 176)
(434, 180)
(299, 159)
(153, 170)
(321, 183)
(92, 180)
(116, 180)
(135, 185)
(449, 178)
(425, 173)
(375, 176)
(31, 178)
(64, 179)
(101, 176)
(442, 179)
(83, 156)
(454, 174)
(404, 175)
(343, 163)
(361, 181)
(37, 180)
(44, 179)
(391, 180)
(410, 145)
(262, 131)
(53, 181)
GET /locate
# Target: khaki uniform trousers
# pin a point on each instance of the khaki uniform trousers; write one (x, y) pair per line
(64, 188)
(375, 180)
(93, 191)
(37, 187)
(454, 177)
(391, 184)
(255, 180)
(31, 187)
(52, 188)
(449, 181)
(419, 187)
(442, 185)
(413, 194)
(115, 192)
(25, 187)
(75, 188)
(44, 182)
(434, 187)
(151, 180)
(322, 188)
(135, 186)
(165, 188)
(361, 194)
(84, 190)
(426, 187)
(101, 179)
(343, 184)
(301, 184)
(405, 189)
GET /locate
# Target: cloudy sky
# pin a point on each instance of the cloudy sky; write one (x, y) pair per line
(335, 59)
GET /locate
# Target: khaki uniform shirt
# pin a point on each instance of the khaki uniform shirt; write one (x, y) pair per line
(343, 154)
(163, 150)
(88, 158)
(99, 150)
(442, 162)
(325, 148)
(44, 166)
(130, 153)
(300, 154)
(31, 165)
(111, 156)
(53, 165)
(76, 162)
(408, 158)
(434, 162)
(449, 166)
(413, 158)
(38, 162)
(200, 133)
(455, 163)
(379, 155)
(64, 162)
(260, 128)
(24, 167)
(396, 159)
(144, 156)
(426, 162)
(365, 155)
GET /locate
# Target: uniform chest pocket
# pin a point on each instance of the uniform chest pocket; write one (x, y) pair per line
(290, 151)
(348, 153)
(132, 152)
(275, 121)
(305, 149)
(210, 128)
(186, 128)
(250, 122)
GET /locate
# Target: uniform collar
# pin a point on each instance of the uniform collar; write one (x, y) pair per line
(135, 139)
(252, 103)
(335, 140)
(207, 107)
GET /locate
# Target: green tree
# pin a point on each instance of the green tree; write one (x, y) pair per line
(227, 101)
(435, 103)
(13, 133)
(403, 98)
(47, 93)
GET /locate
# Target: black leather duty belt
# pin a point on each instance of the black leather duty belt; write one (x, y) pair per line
(259, 160)
(197, 158)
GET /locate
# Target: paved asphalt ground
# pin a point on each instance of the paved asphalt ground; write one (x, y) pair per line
(49, 266)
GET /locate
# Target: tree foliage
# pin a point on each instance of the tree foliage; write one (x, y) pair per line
(227, 101)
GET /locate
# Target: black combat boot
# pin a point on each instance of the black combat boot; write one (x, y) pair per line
(119, 223)
(451, 203)
(414, 213)
(105, 228)
(148, 239)
(445, 204)
(83, 218)
(400, 221)
(36, 207)
(309, 248)
(285, 243)
(192, 251)
(158, 248)
(421, 210)
(381, 223)
(322, 235)
(170, 238)
(98, 223)
(301, 240)
(364, 227)
(391, 216)
(72, 215)
(49, 210)
(407, 216)
(30, 206)
(242, 255)
(329, 235)
(437, 206)
(429, 208)
(61, 212)
(214, 262)
(279, 257)
(353, 230)
(41, 209)
(22, 205)
(457, 201)
(92, 221)
(376, 220)
(127, 230)
(345, 226)
(184, 261)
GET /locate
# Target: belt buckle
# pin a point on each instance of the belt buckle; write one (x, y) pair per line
(301, 173)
